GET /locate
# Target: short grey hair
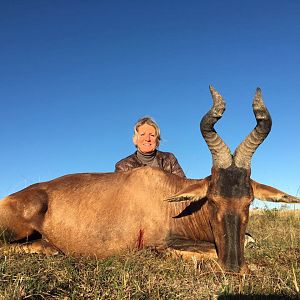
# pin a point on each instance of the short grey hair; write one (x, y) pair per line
(149, 121)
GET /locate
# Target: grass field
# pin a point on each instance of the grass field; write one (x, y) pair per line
(274, 260)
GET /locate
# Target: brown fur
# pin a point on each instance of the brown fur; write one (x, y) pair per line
(98, 215)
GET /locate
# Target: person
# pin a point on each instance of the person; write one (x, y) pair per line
(146, 138)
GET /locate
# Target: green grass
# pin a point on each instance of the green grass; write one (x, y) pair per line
(274, 260)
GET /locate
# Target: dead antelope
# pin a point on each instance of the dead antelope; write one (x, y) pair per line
(98, 215)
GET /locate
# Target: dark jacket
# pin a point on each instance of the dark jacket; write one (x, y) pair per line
(166, 161)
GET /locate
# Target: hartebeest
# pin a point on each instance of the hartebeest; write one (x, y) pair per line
(101, 214)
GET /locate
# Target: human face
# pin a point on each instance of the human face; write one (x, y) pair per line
(146, 140)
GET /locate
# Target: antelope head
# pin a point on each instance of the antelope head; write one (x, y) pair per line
(229, 190)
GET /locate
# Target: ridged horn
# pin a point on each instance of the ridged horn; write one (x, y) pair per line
(221, 154)
(244, 152)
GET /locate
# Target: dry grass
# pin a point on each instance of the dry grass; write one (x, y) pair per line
(274, 259)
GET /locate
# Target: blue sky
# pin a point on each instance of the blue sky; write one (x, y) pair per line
(76, 75)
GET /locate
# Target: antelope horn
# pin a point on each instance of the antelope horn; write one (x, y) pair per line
(244, 152)
(221, 154)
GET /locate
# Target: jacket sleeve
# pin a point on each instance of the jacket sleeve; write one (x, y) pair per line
(122, 166)
(126, 164)
(176, 168)
(119, 167)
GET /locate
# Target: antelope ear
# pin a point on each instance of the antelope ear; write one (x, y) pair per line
(193, 192)
(268, 193)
